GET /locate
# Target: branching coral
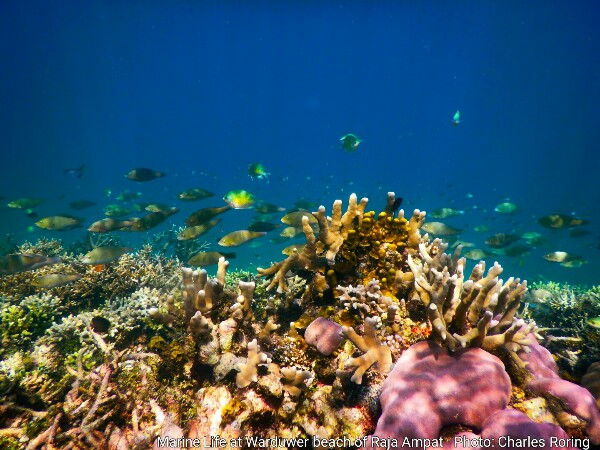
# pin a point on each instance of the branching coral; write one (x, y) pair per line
(364, 299)
(248, 371)
(374, 351)
(479, 312)
(294, 380)
(199, 292)
(355, 242)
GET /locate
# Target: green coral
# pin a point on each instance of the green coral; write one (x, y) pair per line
(22, 323)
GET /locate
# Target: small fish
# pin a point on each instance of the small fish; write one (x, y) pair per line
(290, 232)
(100, 324)
(197, 230)
(291, 248)
(444, 213)
(195, 194)
(594, 322)
(464, 244)
(77, 172)
(54, 280)
(81, 204)
(107, 192)
(440, 229)
(506, 208)
(240, 237)
(58, 223)
(156, 207)
(560, 221)
(396, 205)
(25, 203)
(23, 262)
(239, 199)
(150, 220)
(294, 219)
(477, 254)
(127, 196)
(481, 228)
(456, 119)
(263, 226)
(257, 171)
(203, 259)
(114, 210)
(350, 142)
(204, 215)
(501, 240)
(557, 257)
(109, 224)
(268, 208)
(103, 255)
(143, 174)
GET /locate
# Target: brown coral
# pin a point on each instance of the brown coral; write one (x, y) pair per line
(479, 312)
(374, 351)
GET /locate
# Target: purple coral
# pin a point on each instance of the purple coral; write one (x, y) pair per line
(431, 387)
(513, 429)
(324, 334)
(576, 399)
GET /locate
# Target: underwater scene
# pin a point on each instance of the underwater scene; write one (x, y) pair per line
(299, 224)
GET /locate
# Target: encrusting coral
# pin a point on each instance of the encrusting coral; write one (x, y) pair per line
(309, 353)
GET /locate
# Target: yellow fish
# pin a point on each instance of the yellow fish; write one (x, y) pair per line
(440, 229)
(54, 280)
(240, 237)
(103, 255)
(291, 248)
(239, 199)
(58, 223)
(290, 232)
(204, 259)
(197, 230)
(294, 219)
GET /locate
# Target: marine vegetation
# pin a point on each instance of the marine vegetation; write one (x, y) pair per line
(369, 329)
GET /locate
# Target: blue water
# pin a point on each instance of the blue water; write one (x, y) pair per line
(201, 89)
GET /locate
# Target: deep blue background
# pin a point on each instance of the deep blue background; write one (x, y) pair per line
(202, 89)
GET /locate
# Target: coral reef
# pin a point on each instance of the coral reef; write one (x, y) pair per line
(563, 313)
(142, 349)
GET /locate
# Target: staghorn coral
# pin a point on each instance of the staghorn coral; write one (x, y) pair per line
(248, 371)
(294, 380)
(480, 311)
(242, 308)
(374, 351)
